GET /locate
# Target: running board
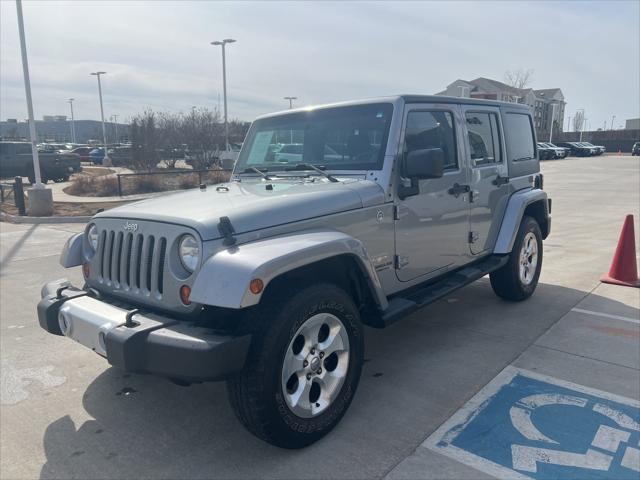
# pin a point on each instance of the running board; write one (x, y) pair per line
(420, 296)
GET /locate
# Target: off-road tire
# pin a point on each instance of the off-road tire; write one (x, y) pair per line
(505, 281)
(256, 393)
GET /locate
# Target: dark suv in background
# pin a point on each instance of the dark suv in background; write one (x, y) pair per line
(16, 160)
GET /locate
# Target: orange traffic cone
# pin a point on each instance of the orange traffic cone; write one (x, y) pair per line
(624, 270)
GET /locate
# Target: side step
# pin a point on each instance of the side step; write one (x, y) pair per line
(420, 296)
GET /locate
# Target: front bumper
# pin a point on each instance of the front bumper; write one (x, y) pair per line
(140, 342)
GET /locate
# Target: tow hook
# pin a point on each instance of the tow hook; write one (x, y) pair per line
(129, 323)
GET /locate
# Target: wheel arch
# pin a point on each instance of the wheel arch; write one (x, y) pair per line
(301, 258)
(531, 202)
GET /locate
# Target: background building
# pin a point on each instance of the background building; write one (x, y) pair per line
(632, 124)
(58, 129)
(547, 105)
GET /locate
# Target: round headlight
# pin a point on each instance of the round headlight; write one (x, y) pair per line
(189, 252)
(92, 236)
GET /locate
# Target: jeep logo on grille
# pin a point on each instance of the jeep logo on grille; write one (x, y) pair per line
(130, 226)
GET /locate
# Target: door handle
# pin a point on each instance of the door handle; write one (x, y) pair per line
(458, 189)
(499, 181)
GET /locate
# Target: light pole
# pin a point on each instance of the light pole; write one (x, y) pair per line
(613, 117)
(224, 87)
(569, 124)
(105, 160)
(582, 123)
(27, 88)
(553, 114)
(291, 99)
(73, 125)
(114, 118)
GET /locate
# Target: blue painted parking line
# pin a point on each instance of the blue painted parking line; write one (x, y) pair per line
(527, 425)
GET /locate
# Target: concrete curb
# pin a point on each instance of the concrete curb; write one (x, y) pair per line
(7, 217)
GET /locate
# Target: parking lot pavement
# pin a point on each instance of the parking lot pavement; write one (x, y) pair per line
(66, 414)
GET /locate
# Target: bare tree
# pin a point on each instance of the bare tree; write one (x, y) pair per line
(578, 121)
(203, 134)
(519, 78)
(144, 141)
(171, 141)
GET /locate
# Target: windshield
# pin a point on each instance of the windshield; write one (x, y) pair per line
(339, 138)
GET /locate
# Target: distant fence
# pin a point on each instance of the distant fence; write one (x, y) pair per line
(169, 179)
(612, 140)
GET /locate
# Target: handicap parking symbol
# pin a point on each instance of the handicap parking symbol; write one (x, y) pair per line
(526, 425)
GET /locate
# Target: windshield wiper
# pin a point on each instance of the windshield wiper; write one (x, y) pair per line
(309, 166)
(258, 171)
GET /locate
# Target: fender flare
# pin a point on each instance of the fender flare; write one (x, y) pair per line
(518, 203)
(224, 278)
(71, 255)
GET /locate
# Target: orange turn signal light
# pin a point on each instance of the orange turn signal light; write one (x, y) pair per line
(255, 286)
(86, 270)
(185, 292)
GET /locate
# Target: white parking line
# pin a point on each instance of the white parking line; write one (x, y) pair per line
(606, 315)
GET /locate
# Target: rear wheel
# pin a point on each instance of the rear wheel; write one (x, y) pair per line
(303, 367)
(518, 279)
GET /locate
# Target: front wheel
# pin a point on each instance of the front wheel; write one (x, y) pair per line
(517, 280)
(303, 367)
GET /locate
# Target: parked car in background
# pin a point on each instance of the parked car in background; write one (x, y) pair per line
(544, 152)
(16, 159)
(599, 149)
(576, 149)
(558, 152)
(635, 150)
(96, 156)
(120, 155)
(83, 152)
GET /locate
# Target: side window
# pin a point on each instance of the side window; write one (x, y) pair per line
(484, 138)
(519, 137)
(432, 130)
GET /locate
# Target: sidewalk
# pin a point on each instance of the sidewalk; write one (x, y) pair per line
(594, 350)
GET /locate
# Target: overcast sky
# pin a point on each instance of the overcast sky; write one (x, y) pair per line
(157, 54)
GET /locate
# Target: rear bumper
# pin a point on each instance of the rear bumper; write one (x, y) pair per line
(147, 343)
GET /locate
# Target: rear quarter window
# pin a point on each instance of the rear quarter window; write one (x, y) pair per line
(519, 137)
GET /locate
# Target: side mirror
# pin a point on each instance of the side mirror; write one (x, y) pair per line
(424, 163)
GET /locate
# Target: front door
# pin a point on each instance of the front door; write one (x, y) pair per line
(484, 143)
(432, 224)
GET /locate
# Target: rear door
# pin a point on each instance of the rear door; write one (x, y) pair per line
(489, 174)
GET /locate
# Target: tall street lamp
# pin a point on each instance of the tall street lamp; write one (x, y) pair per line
(291, 99)
(582, 123)
(73, 124)
(40, 197)
(105, 160)
(613, 117)
(224, 87)
(553, 114)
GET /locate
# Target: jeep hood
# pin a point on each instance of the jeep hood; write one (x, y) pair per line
(252, 204)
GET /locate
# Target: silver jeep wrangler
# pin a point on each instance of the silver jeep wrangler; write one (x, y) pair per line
(336, 217)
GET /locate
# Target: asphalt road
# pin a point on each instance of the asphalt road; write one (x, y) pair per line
(66, 414)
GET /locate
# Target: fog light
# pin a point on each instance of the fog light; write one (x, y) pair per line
(86, 270)
(185, 292)
(255, 286)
